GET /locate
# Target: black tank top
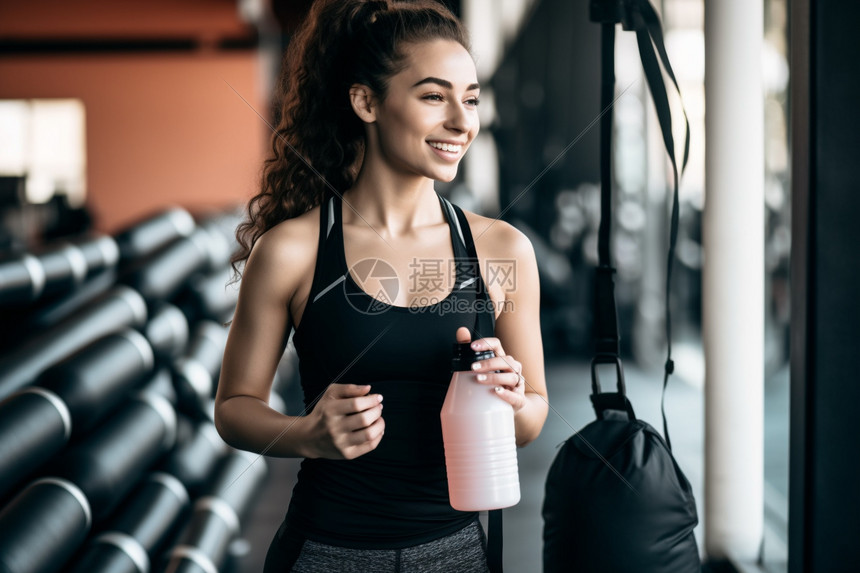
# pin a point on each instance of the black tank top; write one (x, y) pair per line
(397, 495)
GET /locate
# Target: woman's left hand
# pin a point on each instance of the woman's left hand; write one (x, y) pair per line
(508, 381)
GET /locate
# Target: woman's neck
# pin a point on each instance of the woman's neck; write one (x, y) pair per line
(394, 205)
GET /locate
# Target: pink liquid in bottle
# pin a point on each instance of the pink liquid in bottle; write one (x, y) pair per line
(480, 441)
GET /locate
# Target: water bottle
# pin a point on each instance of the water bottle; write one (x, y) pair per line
(479, 437)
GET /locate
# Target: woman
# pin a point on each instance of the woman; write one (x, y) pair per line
(379, 99)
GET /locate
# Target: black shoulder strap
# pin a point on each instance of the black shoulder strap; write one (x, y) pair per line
(639, 16)
(485, 322)
(649, 36)
(326, 221)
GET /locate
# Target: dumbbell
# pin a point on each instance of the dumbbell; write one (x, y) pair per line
(133, 537)
(194, 460)
(195, 373)
(112, 459)
(216, 518)
(43, 526)
(48, 312)
(96, 379)
(61, 266)
(162, 275)
(160, 383)
(68, 400)
(167, 332)
(208, 296)
(119, 308)
(221, 243)
(143, 238)
(99, 251)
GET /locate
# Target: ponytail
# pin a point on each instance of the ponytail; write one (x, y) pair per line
(318, 144)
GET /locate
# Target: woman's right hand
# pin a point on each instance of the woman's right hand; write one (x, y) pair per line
(346, 422)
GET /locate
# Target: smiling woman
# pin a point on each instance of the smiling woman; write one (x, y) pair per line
(423, 124)
(378, 100)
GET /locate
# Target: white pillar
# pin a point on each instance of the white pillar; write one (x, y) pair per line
(486, 26)
(733, 278)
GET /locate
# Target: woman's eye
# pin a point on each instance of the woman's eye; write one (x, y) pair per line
(434, 97)
(473, 101)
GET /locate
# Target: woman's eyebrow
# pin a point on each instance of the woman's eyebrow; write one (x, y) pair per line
(444, 83)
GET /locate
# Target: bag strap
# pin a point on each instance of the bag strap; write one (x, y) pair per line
(485, 325)
(605, 329)
(639, 16)
(494, 540)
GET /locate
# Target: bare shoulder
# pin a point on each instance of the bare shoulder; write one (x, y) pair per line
(298, 229)
(286, 253)
(498, 239)
(291, 239)
(506, 256)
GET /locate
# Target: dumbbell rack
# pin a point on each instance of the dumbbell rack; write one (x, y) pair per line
(110, 351)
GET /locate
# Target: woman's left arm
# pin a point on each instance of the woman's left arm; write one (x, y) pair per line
(518, 345)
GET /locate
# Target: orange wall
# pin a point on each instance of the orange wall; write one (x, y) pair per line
(161, 128)
(124, 19)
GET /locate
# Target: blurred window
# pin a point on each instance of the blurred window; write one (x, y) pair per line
(43, 141)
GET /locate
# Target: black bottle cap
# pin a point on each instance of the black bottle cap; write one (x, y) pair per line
(464, 356)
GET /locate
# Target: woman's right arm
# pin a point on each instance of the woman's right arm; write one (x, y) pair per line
(345, 423)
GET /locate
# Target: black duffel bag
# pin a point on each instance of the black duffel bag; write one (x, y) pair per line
(616, 500)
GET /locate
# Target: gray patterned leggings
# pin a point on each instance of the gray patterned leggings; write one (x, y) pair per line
(463, 551)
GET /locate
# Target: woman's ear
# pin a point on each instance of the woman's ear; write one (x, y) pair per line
(363, 103)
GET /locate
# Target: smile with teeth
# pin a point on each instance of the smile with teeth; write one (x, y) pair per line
(450, 147)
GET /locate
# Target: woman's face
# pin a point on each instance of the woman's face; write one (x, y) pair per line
(429, 116)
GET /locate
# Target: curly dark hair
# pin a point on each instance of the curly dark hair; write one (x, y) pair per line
(318, 144)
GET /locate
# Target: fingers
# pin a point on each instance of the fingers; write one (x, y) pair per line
(336, 390)
(349, 421)
(363, 419)
(352, 406)
(489, 343)
(504, 373)
(502, 370)
(464, 335)
(365, 440)
(512, 397)
(499, 363)
(508, 380)
(351, 398)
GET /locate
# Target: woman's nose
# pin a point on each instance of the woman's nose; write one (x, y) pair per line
(460, 119)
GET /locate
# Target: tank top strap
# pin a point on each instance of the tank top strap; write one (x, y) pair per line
(326, 272)
(485, 323)
(458, 237)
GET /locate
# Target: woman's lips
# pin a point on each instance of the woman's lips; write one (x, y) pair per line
(449, 152)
